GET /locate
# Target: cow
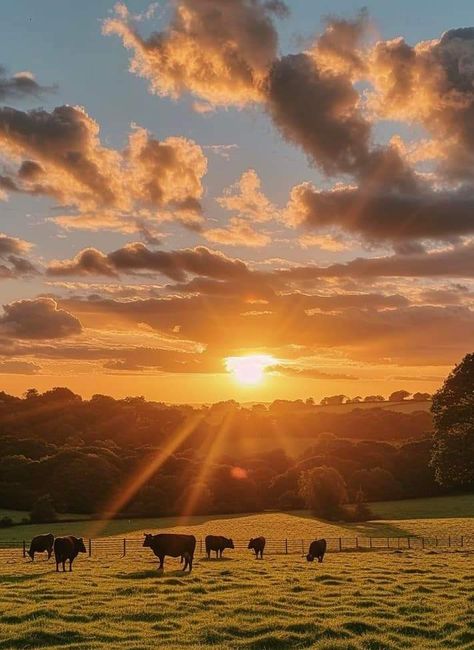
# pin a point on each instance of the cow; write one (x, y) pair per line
(41, 544)
(67, 548)
(217, 543)
(257, 544)
(317, 549)
(174, 545)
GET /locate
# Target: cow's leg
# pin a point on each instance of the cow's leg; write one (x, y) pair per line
(162, 559)
(64, 566)
(70, 566)
(49, 554)
(190, 562)
(57, 565)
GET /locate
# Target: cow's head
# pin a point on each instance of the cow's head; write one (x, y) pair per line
(310, 557)
(80, 545)
(251, 543)
(148, 539)
(230, 543)
(31, 554)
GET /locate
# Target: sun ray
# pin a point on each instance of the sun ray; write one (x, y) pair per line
(211, 453)
(139, 478)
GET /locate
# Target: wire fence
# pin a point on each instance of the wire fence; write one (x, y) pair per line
(107, 547)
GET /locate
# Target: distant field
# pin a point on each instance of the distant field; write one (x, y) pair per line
(429, 508)
(429, 517)
(378, 601)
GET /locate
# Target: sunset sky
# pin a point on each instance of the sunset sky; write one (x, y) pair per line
(190, 182)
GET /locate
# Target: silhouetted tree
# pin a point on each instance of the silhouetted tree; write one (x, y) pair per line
(43, 510)
(453, 411)
(399, 396)
(324, 491)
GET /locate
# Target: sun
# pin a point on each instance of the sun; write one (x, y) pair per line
(249, 370)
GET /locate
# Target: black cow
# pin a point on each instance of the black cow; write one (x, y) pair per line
(174, 545)
(41, 544)
(67, 548)
(257, 544)
(217, 543)
(317, 549)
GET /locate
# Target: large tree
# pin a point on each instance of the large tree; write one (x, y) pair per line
(324, 491)
(453, 411)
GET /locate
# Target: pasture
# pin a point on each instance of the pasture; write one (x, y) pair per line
(380, 600)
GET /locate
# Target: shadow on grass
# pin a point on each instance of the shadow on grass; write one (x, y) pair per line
(150, 574)
(216, 559)
(360, 529)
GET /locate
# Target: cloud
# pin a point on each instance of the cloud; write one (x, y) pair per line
(379, 215)
(137, 257)
(39, 318)
(217, 51)
(59, 154)
(431, 83)
(457, 261)
(239, 232)
(12, 261)
(309, 373)
(246, 199)
(20, 86)
(19, 368)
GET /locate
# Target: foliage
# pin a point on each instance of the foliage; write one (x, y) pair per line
(43, 510)
(324, 491)
(453, 412)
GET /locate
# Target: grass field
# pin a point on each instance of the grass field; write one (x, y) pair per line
(367, 601)
(453, 515)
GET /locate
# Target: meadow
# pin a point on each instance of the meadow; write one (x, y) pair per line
(380, 600)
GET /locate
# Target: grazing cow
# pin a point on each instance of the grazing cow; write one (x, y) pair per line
(257, 544)
(41, 544)
(217, 543)
(67, 548)
(182, 546)
(317, 549)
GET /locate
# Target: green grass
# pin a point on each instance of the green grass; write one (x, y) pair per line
(18, 515)
(376, 601)
(430, 517)
(429, 508)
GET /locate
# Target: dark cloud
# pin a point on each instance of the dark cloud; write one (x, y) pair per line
(457, 261)
(12, 262)
(19, 368)
(20, 86)
(39, 318)
(137, 257)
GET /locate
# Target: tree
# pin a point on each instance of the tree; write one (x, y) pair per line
(421, 397)
(43, 510)
(399, 396)
(453, 414)
(323, 490)
(374, 398)
(333, 400)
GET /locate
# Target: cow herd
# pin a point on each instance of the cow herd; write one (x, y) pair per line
(66, 549)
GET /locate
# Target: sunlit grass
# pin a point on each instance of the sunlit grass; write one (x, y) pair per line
(384, 601)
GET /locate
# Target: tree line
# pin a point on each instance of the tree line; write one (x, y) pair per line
(59, 452)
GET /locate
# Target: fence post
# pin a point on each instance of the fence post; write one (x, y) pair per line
(90, 547)
(200, 546)
(357, 542)
(24, 548)
(370, 542)
(436, 541)
(409, 542)
(388, 542)
(286, 546)
(449, 540)
(340, 544)
(462, 540)
(124, 547)
(302, 547)
(422, 542)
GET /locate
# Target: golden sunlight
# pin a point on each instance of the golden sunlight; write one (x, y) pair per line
(249, 370)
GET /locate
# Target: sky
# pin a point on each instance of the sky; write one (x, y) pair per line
(185, 184)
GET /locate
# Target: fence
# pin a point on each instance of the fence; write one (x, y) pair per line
(121, 547)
